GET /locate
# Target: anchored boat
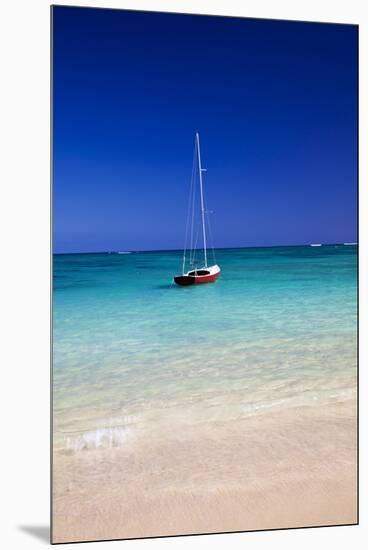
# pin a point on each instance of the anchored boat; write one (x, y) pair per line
(202, 273)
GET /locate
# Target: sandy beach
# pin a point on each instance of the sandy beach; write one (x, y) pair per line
(284, 468)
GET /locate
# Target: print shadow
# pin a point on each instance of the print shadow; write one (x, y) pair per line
(40, 532)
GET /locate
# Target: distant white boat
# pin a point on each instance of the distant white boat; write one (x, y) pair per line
(123, 252)
(316, 244)
(350, 244)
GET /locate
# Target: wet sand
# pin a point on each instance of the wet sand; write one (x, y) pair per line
(284, 468)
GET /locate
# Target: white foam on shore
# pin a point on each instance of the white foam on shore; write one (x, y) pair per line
(108, 433)
(100, 438)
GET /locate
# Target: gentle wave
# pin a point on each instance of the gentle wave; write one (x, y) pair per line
(106, 437)
(310, 398)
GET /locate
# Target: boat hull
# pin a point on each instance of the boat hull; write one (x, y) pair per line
(184, 280)
(196, 279)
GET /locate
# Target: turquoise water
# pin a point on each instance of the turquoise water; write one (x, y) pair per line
(133, 352)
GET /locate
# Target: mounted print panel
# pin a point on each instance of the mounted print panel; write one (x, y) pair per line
(204, 274)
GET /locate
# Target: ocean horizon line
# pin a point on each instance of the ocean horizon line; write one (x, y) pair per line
(143, 251)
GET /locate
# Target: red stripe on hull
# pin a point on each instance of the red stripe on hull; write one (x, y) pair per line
(206, 279)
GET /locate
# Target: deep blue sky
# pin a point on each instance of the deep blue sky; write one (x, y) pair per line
(274, 102)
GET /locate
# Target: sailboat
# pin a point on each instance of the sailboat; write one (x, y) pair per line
(202, 273)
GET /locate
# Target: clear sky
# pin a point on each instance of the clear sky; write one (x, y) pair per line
(275, 104)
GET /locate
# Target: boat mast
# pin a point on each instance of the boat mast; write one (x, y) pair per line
(202, 205)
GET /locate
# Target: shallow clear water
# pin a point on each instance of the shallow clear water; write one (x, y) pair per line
(132, 351)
